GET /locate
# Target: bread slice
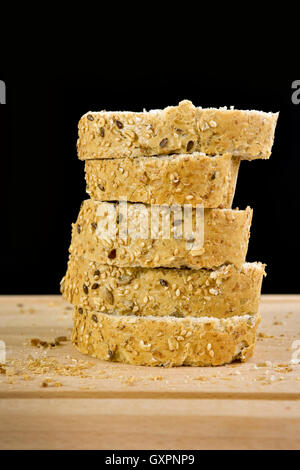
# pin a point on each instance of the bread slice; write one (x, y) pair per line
(175, 179)
(226, 236)
(178, 129)
(164, 341)
(221, 293)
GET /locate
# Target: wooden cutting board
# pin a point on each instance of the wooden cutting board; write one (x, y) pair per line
(56, 398)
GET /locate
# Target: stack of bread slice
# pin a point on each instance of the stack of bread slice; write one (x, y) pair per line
(147, 299)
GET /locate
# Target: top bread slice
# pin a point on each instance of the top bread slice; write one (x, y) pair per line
(176, 129)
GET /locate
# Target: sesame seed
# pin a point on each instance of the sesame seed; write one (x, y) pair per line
(213, 291)
(180, 338)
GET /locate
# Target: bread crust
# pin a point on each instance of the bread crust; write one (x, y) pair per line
(226, 236)
(176, 129)
(220, 293)
(175, 179)
(164, 341)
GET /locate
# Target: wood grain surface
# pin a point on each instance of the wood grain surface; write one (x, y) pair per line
(56, 398)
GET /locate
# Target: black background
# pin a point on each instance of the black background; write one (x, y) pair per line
(43, 181)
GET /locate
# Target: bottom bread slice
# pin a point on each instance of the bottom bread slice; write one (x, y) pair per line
(164, 341)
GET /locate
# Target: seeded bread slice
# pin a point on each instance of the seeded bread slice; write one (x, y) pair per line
(222, 293)
(177, 129)
(176, 179)
(226, 236)
(161, 341)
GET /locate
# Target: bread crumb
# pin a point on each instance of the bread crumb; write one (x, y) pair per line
(201, 378)
(48, 382)
(36, 342)
(155, 378)
(264, 364)
(264, 335)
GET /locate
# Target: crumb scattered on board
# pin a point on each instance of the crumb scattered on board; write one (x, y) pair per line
(48, 344)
